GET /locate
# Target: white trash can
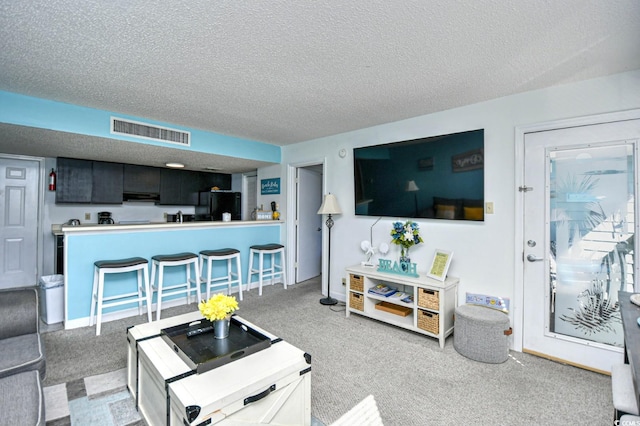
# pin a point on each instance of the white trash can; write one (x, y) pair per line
(51, 290)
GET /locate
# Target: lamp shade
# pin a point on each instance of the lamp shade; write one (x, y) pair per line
(411, 186)
(330, 205)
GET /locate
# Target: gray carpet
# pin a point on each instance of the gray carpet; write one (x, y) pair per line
(413, 380)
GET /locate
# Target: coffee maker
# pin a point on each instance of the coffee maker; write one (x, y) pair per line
(104, 218)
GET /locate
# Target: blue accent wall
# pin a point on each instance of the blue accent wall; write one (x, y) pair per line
(82, 250)
(45, 114)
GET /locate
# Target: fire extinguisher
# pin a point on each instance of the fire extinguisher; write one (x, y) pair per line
(52, 180)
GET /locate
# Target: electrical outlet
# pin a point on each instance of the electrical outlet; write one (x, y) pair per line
(344, 281)
(489, 207)
(165, 215)
(87, 216)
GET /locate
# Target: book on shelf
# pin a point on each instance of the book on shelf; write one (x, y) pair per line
(408, 299)
(401, 296)
(382, 290)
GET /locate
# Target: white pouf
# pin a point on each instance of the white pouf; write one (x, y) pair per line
(481, 334)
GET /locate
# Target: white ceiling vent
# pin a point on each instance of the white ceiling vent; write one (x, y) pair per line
(120, 126)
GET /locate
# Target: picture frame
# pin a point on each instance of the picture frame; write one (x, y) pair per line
(440, 264)
(425, 163)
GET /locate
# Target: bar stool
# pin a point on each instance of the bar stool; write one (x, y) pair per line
(161, 261)
(273, 271)
(103, 267)
(228, 254)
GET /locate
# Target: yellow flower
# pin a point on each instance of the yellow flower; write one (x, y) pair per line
(218, 307)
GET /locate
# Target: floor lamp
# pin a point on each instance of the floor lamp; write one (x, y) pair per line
(329, 207)
(412, 187)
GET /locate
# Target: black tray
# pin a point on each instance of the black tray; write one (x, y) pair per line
(204, 352)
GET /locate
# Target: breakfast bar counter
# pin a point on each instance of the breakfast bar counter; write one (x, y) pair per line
(86, 244)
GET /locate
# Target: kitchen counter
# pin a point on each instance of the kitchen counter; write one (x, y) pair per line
(94, 227)
(86, 244)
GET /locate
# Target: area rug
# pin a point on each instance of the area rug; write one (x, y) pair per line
(97, 400)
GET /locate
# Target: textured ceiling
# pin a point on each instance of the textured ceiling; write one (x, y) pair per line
(282, 72)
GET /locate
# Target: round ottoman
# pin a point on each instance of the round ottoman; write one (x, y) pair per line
(481, 334)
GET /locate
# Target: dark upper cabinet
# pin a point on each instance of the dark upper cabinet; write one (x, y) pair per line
(141, 179)
(221, 180)
(179, 187)
(170, 190)
(191, 184)
(74, 180)
(100, 182)
(107, 183)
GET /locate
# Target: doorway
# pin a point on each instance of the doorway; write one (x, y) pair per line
(19, 221)
(305, 231)
(578, 245)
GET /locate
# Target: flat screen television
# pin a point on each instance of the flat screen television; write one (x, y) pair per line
(438, 177)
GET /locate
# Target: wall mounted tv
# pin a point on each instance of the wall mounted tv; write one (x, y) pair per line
(439, 177)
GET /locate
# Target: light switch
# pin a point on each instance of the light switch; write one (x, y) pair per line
(488, 207)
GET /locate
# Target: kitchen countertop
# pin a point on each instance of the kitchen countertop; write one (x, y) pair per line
(58, 229)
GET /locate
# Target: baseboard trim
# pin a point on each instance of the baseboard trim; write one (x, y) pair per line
(564, 361)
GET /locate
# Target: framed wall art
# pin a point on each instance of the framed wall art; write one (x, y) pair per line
(440, 264)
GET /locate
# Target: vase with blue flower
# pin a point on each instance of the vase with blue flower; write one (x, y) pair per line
(406, 235)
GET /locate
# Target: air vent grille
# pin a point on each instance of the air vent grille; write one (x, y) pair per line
(147, 131)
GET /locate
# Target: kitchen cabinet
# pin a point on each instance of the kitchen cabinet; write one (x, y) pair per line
(191, 184)
(107, 183)
(74, 181)
(179, 187)
(170, 188)
(101, 182)
(221, 180)
(141, 179)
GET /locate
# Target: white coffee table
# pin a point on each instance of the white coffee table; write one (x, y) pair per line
(272, 386)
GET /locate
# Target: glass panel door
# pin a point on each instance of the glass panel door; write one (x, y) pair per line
(591, 235)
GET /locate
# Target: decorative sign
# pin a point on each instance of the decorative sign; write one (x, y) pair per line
(270, 186)
(489, 301)
(470, 160)
(400, 268)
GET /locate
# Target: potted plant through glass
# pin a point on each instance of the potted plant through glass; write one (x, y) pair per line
(405, 235)
(218, 310)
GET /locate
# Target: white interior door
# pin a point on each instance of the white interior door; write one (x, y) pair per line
(249, 196)
(18, 222)
(309, 224)
(580, 221)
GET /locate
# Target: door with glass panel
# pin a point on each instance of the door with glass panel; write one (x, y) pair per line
(579, 240)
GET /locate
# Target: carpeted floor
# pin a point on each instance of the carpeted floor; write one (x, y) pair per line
(413, 381)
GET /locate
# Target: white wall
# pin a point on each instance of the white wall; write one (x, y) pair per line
(483, 252)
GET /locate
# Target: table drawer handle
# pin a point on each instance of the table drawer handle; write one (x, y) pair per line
(259, 396)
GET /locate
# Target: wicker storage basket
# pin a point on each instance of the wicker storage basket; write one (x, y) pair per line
(428, 321)
(356, 301)
(429, 299)
(356, 283)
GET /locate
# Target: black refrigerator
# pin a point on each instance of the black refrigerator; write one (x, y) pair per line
(211, 205)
